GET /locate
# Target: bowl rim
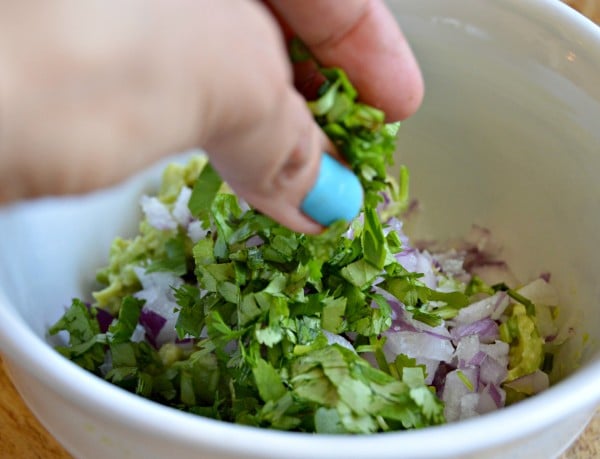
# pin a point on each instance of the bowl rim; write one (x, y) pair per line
(577, 392)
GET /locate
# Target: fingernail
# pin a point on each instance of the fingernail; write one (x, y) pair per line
(336, 195)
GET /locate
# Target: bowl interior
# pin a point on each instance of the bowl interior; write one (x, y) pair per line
(508, 138)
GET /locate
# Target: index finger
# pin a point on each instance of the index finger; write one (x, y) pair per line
(363, 38)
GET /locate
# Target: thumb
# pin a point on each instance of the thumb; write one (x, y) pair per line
(266, 145)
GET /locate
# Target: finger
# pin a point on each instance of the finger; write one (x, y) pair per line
(363, 38)
(271, 151)
(110, 89)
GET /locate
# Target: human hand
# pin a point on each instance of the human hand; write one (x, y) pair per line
(91, 92)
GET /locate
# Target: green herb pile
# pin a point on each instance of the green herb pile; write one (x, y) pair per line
(264, 358)
(263, 312)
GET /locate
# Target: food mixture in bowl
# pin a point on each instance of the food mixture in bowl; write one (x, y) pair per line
(215, 309)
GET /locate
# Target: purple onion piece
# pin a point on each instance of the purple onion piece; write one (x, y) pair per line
(492, 306)
(439, 378)
(491, 371)
(467, 348)
(254, 241)
(457, 386)
(104, 319)
(497, 394)
(486, 329)
(184, 340)
(478, 358)
(185, 343)
(490, 399)
(152, 323)
(416, 345)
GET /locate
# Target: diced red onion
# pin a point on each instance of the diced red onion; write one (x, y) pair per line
(403, 320)
(195, 231)
(431, 367)
(408, 259)
(486, 329)
(386, 197)
(425, 265)
(494, 272)
(160, 283)
(139, 334)
(439, 378)
(497, 350)
(153, 323)
(540, 292)
(468, 405)
(470, 353)
(497, 393)
(415, 344)
(333, 338)
(467, 347)
(421, 262)
(397, 307)
(401, 325)
(545, 323)
(254, 241)
(157, 213)
(477, 359)
(104, 319)
(492, 306)
(565, 331)
(455, 389)
(349, 234)
(396, 225)
(186, 344)
(181, 212)
(157, 291)
(486, 403)
(491, 371)
(451, 264)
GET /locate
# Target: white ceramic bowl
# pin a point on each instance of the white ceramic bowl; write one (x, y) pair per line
(508, 137)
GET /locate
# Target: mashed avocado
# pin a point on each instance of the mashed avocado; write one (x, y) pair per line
(118, 277)
(526, 346)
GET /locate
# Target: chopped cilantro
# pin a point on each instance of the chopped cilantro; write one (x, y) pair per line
(257, 302)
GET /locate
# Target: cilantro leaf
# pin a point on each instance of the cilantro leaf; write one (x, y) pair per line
(174, 260)
(85, 346)
(204, 192)
(358, 131)
(121, 330)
